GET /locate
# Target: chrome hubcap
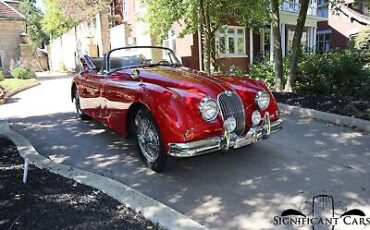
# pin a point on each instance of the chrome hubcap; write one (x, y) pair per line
(148, 139)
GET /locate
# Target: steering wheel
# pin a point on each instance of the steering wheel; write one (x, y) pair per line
(164, 62)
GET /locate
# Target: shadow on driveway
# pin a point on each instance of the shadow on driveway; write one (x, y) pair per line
(241, 189)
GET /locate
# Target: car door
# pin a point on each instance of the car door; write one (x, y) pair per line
(90, 86)
(119, 92)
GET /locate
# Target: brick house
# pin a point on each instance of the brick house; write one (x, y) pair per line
(238, 46)
(12, 24)
(343, 25)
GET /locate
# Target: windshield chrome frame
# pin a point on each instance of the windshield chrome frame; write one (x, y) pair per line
(107, 59)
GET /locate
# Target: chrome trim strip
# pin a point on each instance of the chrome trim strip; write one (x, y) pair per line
(214, 144)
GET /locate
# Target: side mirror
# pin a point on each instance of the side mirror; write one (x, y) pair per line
(135, 73)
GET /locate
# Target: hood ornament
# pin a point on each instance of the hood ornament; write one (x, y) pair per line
(228, 93)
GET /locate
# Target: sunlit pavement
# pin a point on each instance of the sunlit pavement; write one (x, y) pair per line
(242, 189)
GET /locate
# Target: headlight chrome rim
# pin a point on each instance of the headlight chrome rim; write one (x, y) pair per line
(262, 100)
(205, 106)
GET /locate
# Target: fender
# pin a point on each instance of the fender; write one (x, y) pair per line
(176, 116)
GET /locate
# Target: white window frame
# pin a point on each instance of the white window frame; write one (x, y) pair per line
(224, 33)
(322, 32)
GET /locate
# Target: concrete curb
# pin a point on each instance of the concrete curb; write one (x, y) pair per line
(151, 209)
(14, 92)
(351, 122)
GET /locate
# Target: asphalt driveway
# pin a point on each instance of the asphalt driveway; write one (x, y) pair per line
(242, 189)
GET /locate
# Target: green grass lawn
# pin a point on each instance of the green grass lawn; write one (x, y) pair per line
(13, 84)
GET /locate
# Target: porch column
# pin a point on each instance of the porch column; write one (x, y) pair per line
(262, 42)
(282, 32)
(251, 50)
(271, 44)
(314, 39)
(309, 39)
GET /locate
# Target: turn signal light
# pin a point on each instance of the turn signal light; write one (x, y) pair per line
(189, 134)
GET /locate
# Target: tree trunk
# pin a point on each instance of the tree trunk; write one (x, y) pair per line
(204, 17)
(201, 32)
(208, 39)
(293, 65)
(278, 56)
(214, 60)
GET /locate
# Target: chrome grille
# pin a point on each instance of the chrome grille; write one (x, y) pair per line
(231, 105)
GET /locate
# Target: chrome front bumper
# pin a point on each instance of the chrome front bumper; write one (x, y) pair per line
(225, 142)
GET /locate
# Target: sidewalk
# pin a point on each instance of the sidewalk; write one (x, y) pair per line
(48, 75)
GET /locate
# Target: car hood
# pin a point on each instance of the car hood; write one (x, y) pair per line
(185, 79)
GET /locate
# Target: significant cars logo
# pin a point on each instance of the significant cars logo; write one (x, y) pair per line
(322, 213)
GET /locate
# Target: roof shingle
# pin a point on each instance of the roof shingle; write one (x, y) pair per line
(6, 11)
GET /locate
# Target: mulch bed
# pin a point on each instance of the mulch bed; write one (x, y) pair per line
(347, 106)
(49, 201)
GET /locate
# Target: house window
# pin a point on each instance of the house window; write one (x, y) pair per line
(231, 41)
(323, 41)
(323, 8)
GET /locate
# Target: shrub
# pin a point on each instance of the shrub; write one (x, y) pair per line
(264, 71)
(341, 72)
(2, 77)
(362, 41)
(18, 70)
(21, 73)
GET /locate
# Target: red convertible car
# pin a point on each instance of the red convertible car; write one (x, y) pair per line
(171, 110)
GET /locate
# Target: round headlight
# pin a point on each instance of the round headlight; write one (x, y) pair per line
(208, 108)
(256, 118)
(230, 124)
(262, 100)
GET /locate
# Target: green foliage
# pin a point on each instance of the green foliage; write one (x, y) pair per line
(82, 10)
(19, 71)
(341, 72)
(161, 14)
(264, 71)
(362, 41)
(33, 18)
(2, 77)
(54, 22)
(206, 16)
(22, 73)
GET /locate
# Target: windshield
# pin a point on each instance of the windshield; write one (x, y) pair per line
(134, 57)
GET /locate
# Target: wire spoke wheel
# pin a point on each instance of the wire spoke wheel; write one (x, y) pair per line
(148, 141)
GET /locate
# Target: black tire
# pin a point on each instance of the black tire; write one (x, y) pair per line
(156, 159)
(79, 111)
